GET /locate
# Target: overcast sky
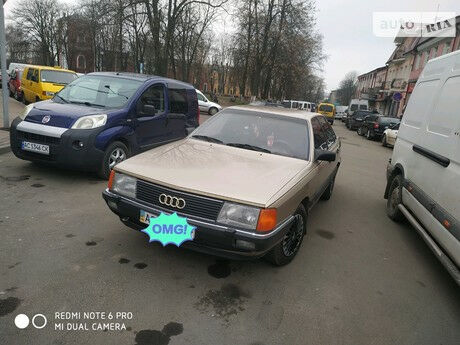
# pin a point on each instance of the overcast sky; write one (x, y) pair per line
(346, 27)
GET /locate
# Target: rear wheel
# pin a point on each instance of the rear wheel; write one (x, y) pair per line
(115, 153)
(369, 135)
(394, 199)
(287, 249)
(384, 141)
(360, 131)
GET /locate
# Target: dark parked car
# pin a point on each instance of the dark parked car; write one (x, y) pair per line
(100, 119)
(373, 126)
(355, 121)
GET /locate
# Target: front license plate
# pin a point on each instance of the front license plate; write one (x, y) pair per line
(145, 217)
(33, 147)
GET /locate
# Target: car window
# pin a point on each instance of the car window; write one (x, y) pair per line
(57, 77)
(328, 131)
(96, 90)
(154, 96)
(326, 107)
(200, 97)
(30, 72)
(280, 135)
(35, 76)
(319, 137)
(178, 101)
(363, 107)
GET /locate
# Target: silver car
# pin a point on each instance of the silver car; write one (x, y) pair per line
(206, 106)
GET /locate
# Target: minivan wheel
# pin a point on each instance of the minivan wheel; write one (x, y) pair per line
(212, 111)
(287, 249)
(115, 153)
(394, 199)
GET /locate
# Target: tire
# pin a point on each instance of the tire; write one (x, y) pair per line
(16, 95)
(384, 141)
(37, 99)
(285, 251)
(360, 131)
(369, 136)
(328, 192)
(24, 99)
(212, 111)
(394, 199)
(115, 153)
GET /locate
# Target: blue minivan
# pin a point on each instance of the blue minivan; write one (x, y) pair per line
(102, 118)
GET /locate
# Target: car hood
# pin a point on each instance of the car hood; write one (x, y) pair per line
(61, 115)
(214, 170)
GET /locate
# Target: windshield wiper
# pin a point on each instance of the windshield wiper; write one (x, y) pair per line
(116, 93)
(206, 138)
(249, 147)
(89, 104)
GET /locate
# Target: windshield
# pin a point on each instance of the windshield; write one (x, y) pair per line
(96, 90)
(326, 107)
(279, 135)
(363, 107)
(57, 77)
(362, 113)
(353, 107)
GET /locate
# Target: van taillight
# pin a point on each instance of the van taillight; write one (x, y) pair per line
(376, 125)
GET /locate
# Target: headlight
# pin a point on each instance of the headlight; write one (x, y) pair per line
(26, 111)
(48, 93)
(90, 121)
(124, 185)
(239, 215)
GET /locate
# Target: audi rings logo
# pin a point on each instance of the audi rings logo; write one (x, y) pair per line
(172, 201)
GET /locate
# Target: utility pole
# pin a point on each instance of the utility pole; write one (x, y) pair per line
(6, 117)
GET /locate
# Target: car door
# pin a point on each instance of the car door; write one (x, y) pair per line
(319, 180)
(35, 86)
(176, 118)
(332, 144)
(27, 85)
(203, 102)
(150, 122)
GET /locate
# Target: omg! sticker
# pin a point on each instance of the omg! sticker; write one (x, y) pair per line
(169, 229)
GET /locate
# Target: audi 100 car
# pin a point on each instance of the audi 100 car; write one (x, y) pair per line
(246, 179)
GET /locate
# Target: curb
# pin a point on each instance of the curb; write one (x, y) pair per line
(5, 149)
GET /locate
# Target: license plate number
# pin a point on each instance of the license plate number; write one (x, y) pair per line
(33, 147)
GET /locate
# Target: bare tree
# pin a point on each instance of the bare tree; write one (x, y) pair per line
(347, 88)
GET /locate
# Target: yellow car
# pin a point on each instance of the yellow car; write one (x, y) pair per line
(328, 110)
(42, 82)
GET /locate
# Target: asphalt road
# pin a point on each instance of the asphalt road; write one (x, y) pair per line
(358, 279)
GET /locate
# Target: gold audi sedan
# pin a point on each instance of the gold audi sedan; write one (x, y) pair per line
(246, 179)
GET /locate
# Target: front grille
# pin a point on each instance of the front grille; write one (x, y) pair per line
(197, 206)
(38, 138)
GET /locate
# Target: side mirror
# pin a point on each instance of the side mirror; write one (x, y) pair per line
(148, 109)
(323, 155)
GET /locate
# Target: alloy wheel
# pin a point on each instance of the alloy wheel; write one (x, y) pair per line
(291, 241)
(116, 156)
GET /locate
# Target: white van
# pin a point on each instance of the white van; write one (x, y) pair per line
(424, 172)
(305, 106)
(357, 104)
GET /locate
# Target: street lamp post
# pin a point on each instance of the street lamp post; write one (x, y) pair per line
(6, 117)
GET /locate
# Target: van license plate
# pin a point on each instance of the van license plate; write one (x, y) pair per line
(33, 147)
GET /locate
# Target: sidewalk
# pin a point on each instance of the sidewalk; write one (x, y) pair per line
(15, 108)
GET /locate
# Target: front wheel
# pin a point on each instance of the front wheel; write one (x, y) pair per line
(115, 153)
(285, 251)
(394, 199)
(212, 111)
(360, 131)
(369, 135)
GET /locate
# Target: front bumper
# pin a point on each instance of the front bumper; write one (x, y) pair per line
(63, 151)
(210, 237)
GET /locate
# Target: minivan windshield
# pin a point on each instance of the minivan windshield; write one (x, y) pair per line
(100, 91)
(250, 130)
(57, 77)
(353, 107)
(325, 107)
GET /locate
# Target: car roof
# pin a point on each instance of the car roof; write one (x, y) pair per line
(144, 78)
(51, 68)
(295, 113)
